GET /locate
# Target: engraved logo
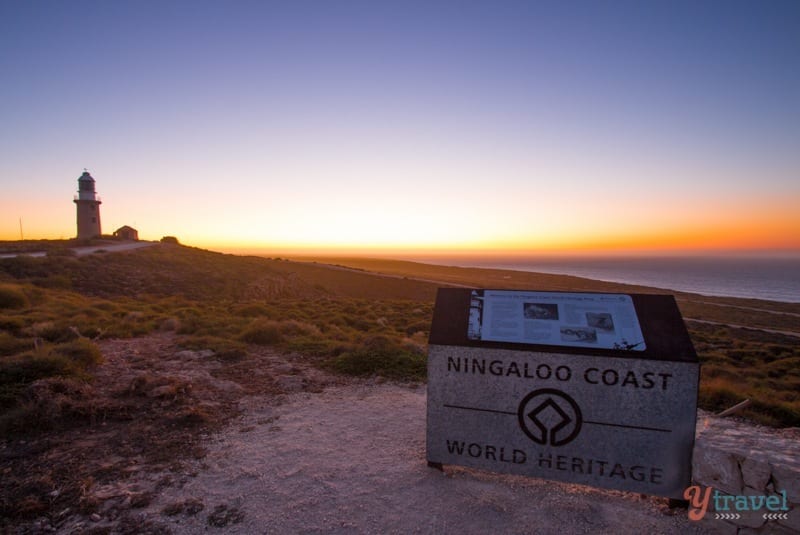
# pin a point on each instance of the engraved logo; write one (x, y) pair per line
(549, 416)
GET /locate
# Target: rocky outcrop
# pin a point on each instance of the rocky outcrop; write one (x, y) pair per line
(742, 460)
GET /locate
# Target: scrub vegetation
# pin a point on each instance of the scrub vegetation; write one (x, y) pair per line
(55, 309)
(749, 349)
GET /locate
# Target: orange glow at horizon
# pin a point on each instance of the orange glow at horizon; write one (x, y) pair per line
(697, 227)
(466, 226)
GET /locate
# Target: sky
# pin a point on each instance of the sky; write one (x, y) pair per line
(435, 127)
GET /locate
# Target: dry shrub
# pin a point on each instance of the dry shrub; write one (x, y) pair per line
(262, 332)
(52, 332)
(57, 362)
(785, 367)
(159, 386)
(30, 366)
(380, 355)
(417, 343)
(775, 413)
(317, 347)
(335, 332)
(270, 332)
(418, 326)
(11, 345)
(12, 296)
(293, 328)
(12, 325)
(53, 281)
(252, 311)
(189, 322)
(32, 498)
(193, 416)
(222, 516)
(83, 353)
(54, 387)
(190, 507)
(717, 394)
(106, 306)
(49, 403)
(134, 316)
(170, 324)
(140, 385)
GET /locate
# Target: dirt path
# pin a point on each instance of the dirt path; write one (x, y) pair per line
(82, 251)
(393, 276)
(734, 326)
(765, 310)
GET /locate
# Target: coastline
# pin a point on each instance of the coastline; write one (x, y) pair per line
(767, 278)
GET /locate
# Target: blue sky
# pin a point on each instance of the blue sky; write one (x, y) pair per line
(464, 125)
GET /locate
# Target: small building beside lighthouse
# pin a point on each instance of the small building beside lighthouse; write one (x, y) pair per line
(127, 233)
(88, 205)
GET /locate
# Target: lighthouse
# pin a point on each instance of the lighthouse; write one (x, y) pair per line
(88, 204)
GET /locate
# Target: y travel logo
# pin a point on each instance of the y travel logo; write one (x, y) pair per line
(731, 507)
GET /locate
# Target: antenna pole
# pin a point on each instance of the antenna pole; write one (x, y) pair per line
(21, 237)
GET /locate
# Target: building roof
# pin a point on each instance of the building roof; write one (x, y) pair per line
(86, 176)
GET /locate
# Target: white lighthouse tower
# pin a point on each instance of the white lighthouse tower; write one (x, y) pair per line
(88, 204)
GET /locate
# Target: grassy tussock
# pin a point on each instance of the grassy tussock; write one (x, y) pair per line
(268, 332)
(380, 355)
(24, 380)
(262, 332)
(12, 345)
(12, 296)
(70, 358)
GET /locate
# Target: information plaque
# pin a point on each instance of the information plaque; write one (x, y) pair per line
(590, 388)
(555, 318)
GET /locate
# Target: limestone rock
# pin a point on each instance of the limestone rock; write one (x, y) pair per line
(751, 519)
(713, 467)
(792, 519)
(717, 527)
(787, 478)
(755, 472)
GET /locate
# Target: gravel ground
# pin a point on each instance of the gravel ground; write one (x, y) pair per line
(352, 460)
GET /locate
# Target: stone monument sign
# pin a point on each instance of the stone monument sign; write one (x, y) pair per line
(590, 388)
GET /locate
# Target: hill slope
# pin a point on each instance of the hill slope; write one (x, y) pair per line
(364, 315)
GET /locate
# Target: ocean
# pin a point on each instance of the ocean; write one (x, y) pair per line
(769, 278)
